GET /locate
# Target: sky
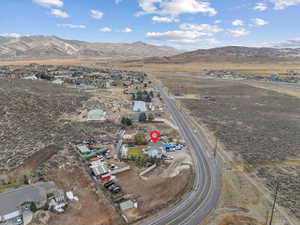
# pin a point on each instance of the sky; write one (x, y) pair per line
(185, 24)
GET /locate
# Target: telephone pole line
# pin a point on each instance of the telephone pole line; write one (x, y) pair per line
(274, 203)
(216, 148)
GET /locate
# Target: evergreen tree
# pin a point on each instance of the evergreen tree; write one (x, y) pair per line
(142, 117)
(126, 121)
(151, 94)
(150, 117)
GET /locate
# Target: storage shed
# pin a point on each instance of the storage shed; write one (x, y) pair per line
(97, 114)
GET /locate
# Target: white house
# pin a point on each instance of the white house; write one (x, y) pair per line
(58, 81)
(33, 77)
(139, 106)
(124, 151)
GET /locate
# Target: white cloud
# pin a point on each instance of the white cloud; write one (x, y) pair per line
(238, 32)
(96, 14)
(282, 4)
(261, 6)
(182, 37)
(204, 29)
(188, 34)
(126, 30)
(174, 35)
(164, 19)
(218, 21)
(105, 29)
(49, 3)
(59, 13)
(259, 22)
(211, 41)
(175, 7)
(238, 23)
(72, 26)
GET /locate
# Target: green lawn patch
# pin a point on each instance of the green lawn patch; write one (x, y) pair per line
(137, 151)
(8, 186)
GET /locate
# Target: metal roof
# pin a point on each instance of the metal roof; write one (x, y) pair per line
(139, 106)
(127, 205)
(96, 112)
(83, 149)
(12, 199)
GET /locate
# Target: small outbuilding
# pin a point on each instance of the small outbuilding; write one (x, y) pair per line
(128, 205)
(96, 114)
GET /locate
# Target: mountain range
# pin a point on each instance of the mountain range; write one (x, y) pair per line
(233, 54)
(48, 47)
(52, 47)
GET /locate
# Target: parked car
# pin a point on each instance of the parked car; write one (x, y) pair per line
(115, 189)
(178, 147)
(19, 221)
(113, 167)
(108, 184)
(168, 158)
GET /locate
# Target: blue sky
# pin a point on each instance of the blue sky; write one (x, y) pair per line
(188, 24)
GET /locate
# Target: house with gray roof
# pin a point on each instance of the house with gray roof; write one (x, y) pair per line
(12, 200)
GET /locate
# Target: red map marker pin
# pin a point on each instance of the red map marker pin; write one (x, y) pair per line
(154, 136)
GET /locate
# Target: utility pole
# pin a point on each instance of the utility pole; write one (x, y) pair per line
(267, 218)
(274, 203)
(216, 147)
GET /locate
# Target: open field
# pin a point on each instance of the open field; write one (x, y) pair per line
(137, 151)
(197, 68)
(258, 127)
(30, 118)
(157, 192)
(247, 68)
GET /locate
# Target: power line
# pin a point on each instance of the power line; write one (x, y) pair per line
(274, 203)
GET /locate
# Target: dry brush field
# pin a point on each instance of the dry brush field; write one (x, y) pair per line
(260, 127)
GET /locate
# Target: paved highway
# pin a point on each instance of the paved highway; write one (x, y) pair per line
(198, 203)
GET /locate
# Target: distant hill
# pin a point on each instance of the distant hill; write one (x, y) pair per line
(233, 54)
(48, 47)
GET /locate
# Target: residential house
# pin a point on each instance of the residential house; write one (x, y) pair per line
(83, 149)
(124, 151)
(33, 77)
(12, 200)
(99, 168)
(155, 150)
(139, 106)
(58, 81)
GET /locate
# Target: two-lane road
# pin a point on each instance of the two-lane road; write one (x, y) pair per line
(203, 198)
